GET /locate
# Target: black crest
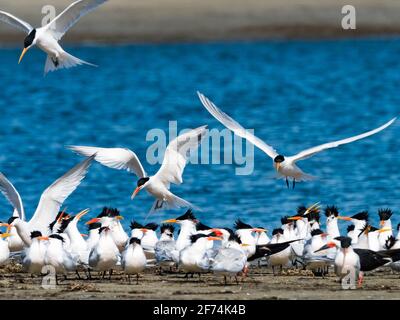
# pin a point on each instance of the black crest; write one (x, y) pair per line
(201, 227)
(135, 225)
(56, 236)
(277, 231)
(345, 242)
(187, 216)
(94, 225)
(108, 212)
(142, 181)
(363, 215)
(239, 224)
(316, 232)
(331, 210)
(195, 237)
(233, 236)
(29, 39)
(301, 210)
(279, 158)
(385, 214)
(169, 227)
(151, 226)
(35, 234)
(390, 242)
(285, 220)
(134, 240)
(64, 224)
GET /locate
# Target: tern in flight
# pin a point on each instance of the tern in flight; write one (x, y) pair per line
(175, 158)
(50, 201)
(285, 166)
(47, 37)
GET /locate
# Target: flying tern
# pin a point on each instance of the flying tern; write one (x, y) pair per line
(48, 36)
(171, 170)
(285, 166)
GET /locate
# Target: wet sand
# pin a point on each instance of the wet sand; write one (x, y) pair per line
(260, 284)
(133, 21)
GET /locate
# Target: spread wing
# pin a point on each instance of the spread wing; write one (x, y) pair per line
(66, 19)
(15, 22)
(234, 126)
(176, 155)
(312, 151)
(54, 196)
(12, 195)
(115, 158)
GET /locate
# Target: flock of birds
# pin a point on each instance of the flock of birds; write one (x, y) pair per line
(51, 236)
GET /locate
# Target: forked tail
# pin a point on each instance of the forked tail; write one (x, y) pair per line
(64, 61)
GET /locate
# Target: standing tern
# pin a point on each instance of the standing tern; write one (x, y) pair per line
(165, 249)
(48, 36)
(50, 201)
(385, 222)
(285, 166)
(174, 162)
(34, 256)
(133, 259)
(4, 249)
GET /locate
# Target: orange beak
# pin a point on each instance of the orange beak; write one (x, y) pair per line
(5, 225)
(344, 218)
(259, 230)
(135, 192)
(22, 55)
(294, 218)
(94, 220)
(81, 214)
(217, 232)
(170, 221)
(43, 238)
(278, 166)
(214, 238)
(143, 230)
(119, 217)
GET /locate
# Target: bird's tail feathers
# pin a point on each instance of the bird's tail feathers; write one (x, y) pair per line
(174, 202)
(64, 61)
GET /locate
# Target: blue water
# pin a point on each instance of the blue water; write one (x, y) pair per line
(295, 94)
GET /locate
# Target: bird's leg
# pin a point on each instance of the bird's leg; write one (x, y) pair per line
(111, 271)
(294, 182)
(199, 274)
(137, 278)
(237, 281)
(77, 273)
(55, 61)
(225, 279)
(89, 276)
(104, 274)
(129, 278)
(287, 183)
(273, 270)
(192, 274)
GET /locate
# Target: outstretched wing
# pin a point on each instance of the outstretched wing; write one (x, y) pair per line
(310, 152)
(66, 19)
(54, 196)
(234, 126)
(12, 195)
(176, 155)
(15, 22)
(115, 158)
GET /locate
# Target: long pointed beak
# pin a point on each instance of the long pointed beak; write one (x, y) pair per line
(22, 55)
(343, 218)
(5, 235)
(294, 218)
(245, 245)
(214, 238)
(119, 217)
(94, 220)
(170, 221)
(43, 238)
(278, 166)
(135, 192)
(259, 230)
(5, 225)
(384, 230)
(81, 214)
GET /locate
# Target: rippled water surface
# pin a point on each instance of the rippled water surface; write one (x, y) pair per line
(293, 94)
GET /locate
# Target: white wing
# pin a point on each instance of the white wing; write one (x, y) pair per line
(176, 155)
(232, 125)
(12, 195)
(115, 158)
(310, 152)
(54, 196)
(66, 19)
(15, 22)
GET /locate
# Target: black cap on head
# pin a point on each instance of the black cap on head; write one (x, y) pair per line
(350, 227)
(151, 226)
(29, 38)
(233, 236)
(135, 225)
(195, 237)
(142, 181)
(188, 215)
(239, 224)
(277, 231)
(94, 225)
(201, 227)
(134, 240)
(101, 229)
(56, 236)
(35, 234)
(385, 214)
(363, 215)
(285, 220)
(279, 158)
(301, 210)
(331, 210)
(316, 232)
(64, 224)
(11, 220)
(169, 227)
(345, 242)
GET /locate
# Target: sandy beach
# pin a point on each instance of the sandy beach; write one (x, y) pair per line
(260, 284)
(143, 21)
